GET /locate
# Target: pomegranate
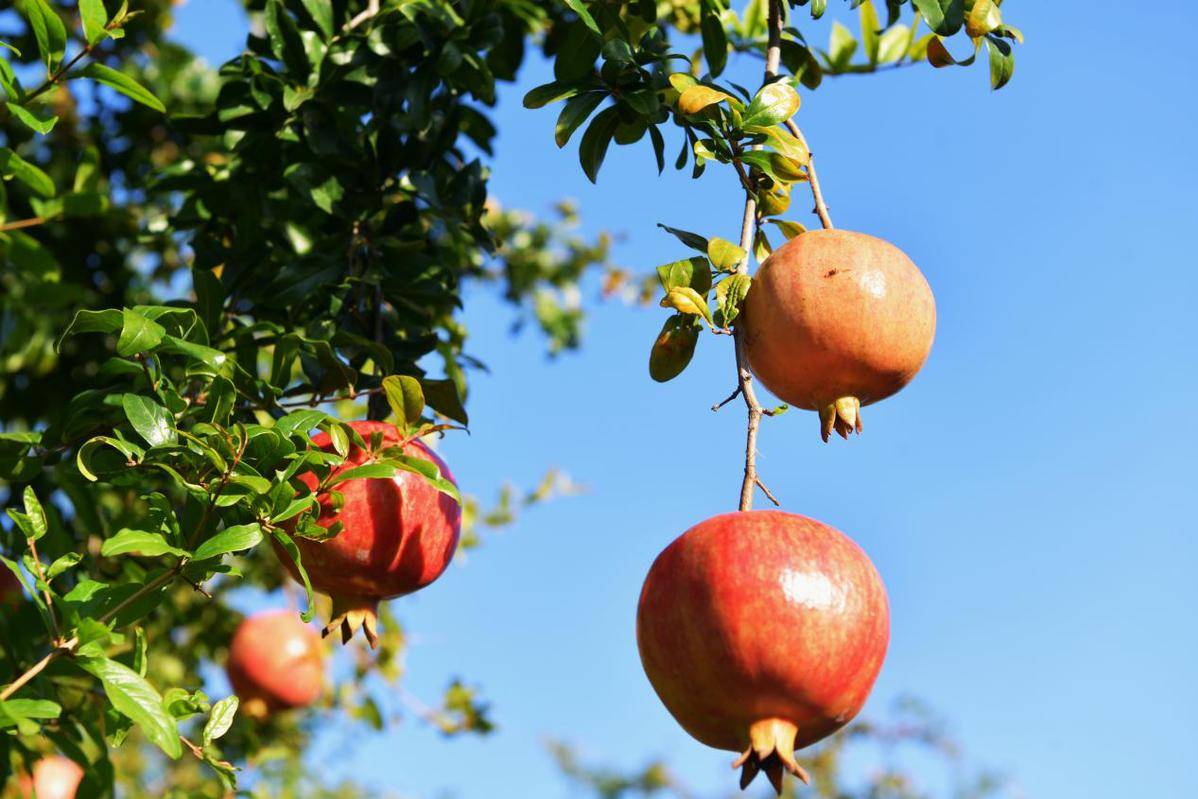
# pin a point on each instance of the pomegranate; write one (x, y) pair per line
(762, 632)
(398, 535)
(54, 777)
(835, 320)
(276, 662)
(11, 594)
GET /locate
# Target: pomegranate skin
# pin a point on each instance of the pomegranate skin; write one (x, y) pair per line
(11, 594)
(398, 534)
(276, 662)
(835, 320)
(762, 632)
(54, 777)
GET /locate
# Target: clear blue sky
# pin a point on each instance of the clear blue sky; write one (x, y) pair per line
(1028, 499)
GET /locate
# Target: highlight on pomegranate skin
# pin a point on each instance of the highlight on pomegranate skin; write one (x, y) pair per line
(763, 632)
(53, 777)
(835, 320)
(276, 662)
(398, 535)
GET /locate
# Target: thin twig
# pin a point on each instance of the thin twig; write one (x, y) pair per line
(748, 232)
(821, 208)
(22, 223)
(41, 575)
(735, 393)
(372, 8)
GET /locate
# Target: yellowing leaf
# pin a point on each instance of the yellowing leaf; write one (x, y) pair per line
(724, 254)
(697, 97)
(688, 301)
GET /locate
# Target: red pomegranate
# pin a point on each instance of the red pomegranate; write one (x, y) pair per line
(398, 535)
(762, 632)
(11, 594)
(835, 320)
(276, 662)
(54, 777)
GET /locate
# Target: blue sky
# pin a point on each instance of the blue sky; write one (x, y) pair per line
(1028, 499)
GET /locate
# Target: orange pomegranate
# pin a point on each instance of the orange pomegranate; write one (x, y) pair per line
(54, 777)
(276, 662)
(762, 632)
(835, 320)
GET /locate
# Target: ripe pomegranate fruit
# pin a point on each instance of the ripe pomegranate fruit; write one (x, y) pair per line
(398, 535)
(835, 320)
(54, 777)
(11, 594)
(276, 662)
(762, 632)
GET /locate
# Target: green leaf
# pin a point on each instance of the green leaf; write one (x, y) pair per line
(595, 141)
(579, 8)
(692, 240)
(152, 422)
(139, 542)
(574, 113)
(443, 397)
(94, 18)
(35, 513)
(869, 30)
(730, 293)
(789, 229)
(42, 125)
(1002, 62)
(321, 12)
(693, 272)
(688, 301)
(841, 46)
(48, 31)
(892, 45)
(109, 320)
(14, 166)
(138, 334)
(123, 84)
(288, 546)
(549, 93)
(983, 18)
(944, 17)
(715, 42)
(231, 539)
(62, 563)
(673, 348)
(725, 255)
(405, 397)
(89, 448)
(20, 713)
(220, 719)
(136, 699)
(285, 41)
(775, 103)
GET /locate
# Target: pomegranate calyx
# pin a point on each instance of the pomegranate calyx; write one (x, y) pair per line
(771, 749)
(352, 613)
(842, 416)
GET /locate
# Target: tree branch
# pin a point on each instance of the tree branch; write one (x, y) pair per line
(821, 209)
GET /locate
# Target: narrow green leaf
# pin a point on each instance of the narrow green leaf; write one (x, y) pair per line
(579, 8)
(321, 12)
(42, 125)
(35, 513)
(152, 422)
(595, 141)
(285, 41)
(549, 93)
(288, 546)
(48, 31)
(869, 30)
(14, 166)
(693, 272)
(944, 17)
(574, 113)
(123, 84)
(692, 240)
(443, 397)
(231, 539)
(1002, 61)
(673, 348)
(136, 699)
(139, 542)
(715, 42)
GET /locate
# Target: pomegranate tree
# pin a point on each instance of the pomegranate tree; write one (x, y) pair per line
(836, 320)
(762, 632)
(54, 777)
(398, 534)
(276, 662)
